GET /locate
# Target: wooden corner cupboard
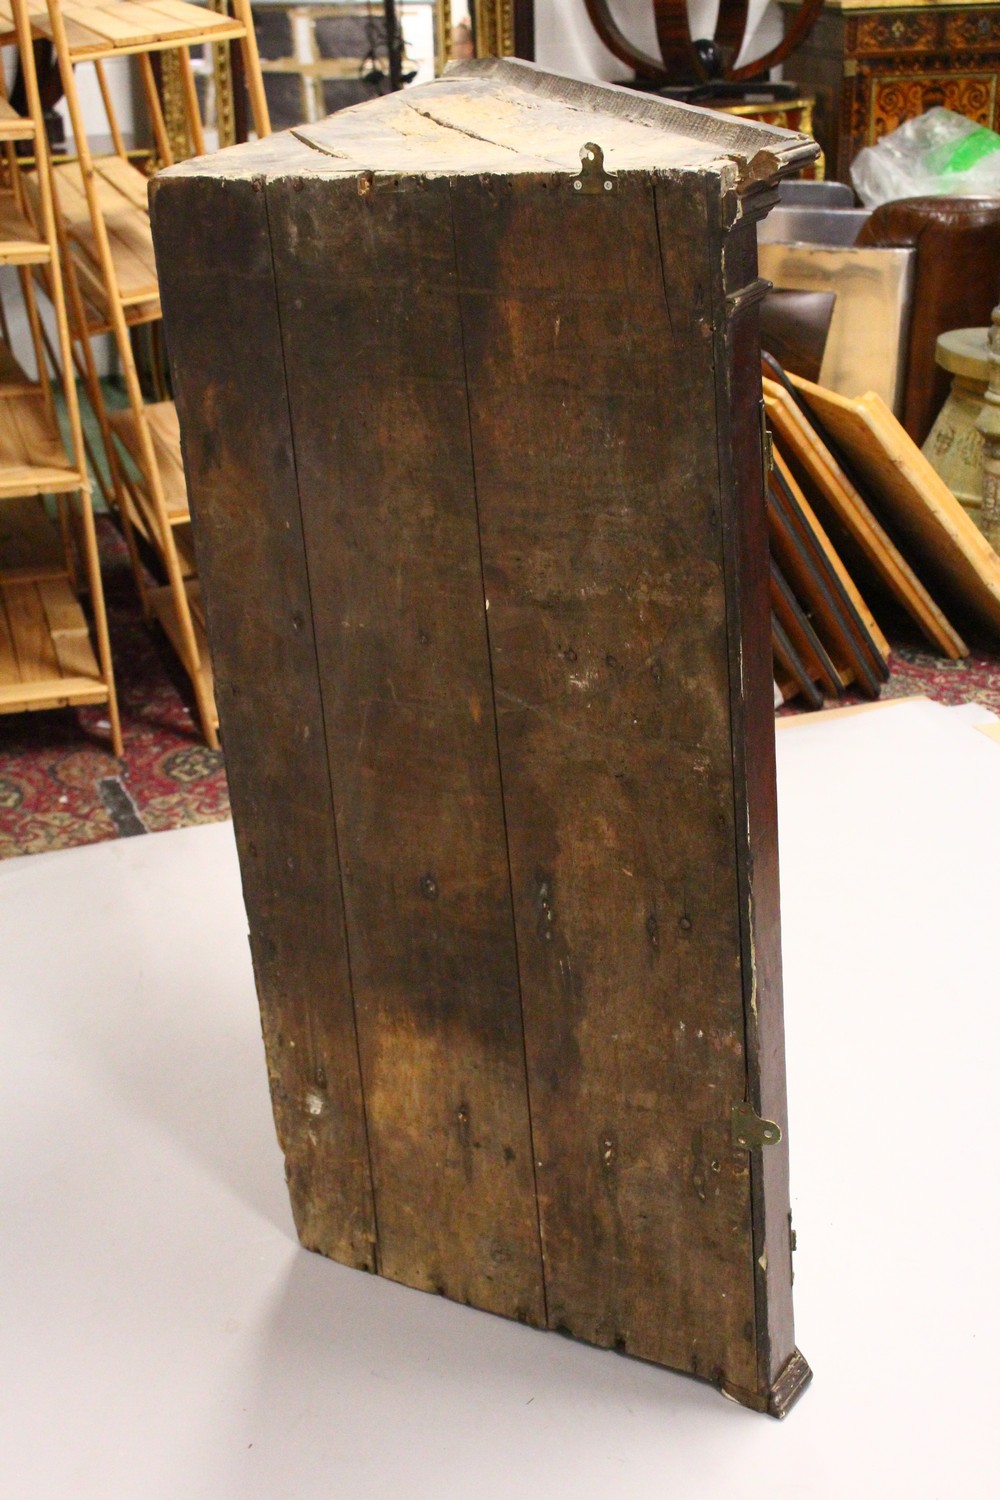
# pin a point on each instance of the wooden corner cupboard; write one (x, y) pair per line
(468, 384)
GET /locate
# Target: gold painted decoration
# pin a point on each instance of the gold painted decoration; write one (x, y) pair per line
(895, 100)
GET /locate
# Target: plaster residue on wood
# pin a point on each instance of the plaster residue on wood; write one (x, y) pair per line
(402, 133)
(485, 124)
(505, 116)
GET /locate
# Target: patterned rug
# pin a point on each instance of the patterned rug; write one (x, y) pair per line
(976, 679)
(60, 785)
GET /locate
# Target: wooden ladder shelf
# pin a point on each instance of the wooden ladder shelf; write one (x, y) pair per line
(47, 658)
(112, 281)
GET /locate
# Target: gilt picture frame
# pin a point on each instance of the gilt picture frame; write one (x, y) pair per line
(483, 28)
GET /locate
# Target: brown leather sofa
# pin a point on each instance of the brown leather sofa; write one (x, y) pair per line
(957, 284)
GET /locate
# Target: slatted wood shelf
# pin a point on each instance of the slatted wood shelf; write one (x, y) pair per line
(129, 245)
(32, 457)
(164, 429)
(95, 308)
(20, 242)
(114, 28)
(46, 659)
(164, 607)
(121, 192)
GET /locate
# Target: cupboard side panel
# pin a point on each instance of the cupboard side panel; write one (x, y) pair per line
(782, 1373)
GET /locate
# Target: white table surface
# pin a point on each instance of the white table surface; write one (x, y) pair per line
(162, 1335)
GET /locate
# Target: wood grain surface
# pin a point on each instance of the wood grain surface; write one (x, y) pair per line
(603, 559)
(386, 485)
(216, 277)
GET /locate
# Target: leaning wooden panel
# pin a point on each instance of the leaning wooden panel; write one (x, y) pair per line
(834, 486)
(800, 631)
(815, 567)
(529, 477)
(914, 499)
(790, 667)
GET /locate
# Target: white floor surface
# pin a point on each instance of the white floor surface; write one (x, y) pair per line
(163, 1337)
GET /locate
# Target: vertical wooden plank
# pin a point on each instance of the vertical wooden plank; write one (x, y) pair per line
(782, 1371)
(592, 391)
(219, 298)
(373, 349)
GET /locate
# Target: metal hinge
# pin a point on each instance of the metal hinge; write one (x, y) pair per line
(750, 1132)
(592, 178)
(766, 447)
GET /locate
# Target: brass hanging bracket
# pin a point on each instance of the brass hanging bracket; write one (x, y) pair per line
(750, 1132)
(592, 178)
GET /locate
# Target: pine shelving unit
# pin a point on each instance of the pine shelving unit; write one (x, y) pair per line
(47, 658)
(112, 282)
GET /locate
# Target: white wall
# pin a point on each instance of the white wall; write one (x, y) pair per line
(566, 42)
(120, 73)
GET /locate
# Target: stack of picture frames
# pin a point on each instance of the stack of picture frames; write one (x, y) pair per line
(856, 513)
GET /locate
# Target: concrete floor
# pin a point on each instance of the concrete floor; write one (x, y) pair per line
(163, 1336)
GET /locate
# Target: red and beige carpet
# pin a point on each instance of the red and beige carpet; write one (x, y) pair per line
(60, 785)
(59, 782)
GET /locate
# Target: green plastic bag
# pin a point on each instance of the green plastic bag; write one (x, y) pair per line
(938, 153)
